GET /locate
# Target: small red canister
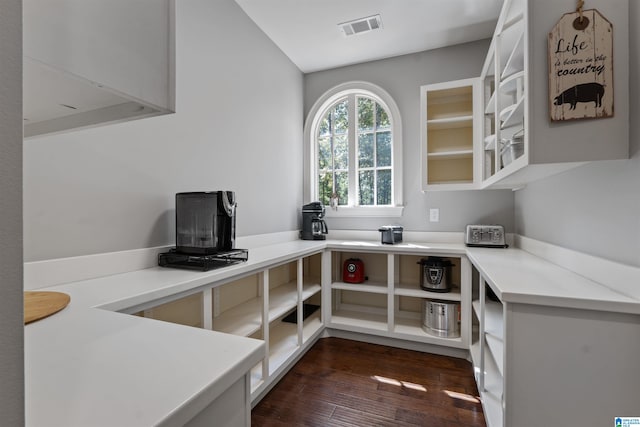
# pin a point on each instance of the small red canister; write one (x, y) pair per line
(353, 271)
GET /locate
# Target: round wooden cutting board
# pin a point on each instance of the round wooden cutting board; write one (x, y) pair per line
(39, 304)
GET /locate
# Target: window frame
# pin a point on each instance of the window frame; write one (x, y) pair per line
(317, 112)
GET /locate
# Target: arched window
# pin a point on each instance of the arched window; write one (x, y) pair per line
(354, 144)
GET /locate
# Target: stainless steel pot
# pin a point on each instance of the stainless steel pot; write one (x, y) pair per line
(441, 318)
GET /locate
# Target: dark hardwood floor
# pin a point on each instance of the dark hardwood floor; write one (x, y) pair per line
(348, 383)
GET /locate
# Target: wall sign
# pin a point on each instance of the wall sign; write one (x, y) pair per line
(581, 67)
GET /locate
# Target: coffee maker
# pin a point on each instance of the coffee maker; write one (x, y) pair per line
(205, 222)
(313, 226)
(205, 232)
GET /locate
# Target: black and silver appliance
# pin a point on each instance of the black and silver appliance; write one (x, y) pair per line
(390, 234)
(441, 318)
(205, 232)
(205, 222)
(313, 226)
(435, 274)
(488, 236)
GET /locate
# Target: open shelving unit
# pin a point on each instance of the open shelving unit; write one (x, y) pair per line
(255, 306)
(487, 352)
(246, 318)
(504, 82)
(449, 129)
(389, 304)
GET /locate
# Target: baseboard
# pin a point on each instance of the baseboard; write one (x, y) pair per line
(398, 343)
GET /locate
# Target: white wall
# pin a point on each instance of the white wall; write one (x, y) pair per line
(237, 126)
(595, 208)
(402, 77)
(11, 318)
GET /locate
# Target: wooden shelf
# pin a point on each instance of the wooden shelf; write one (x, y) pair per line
(493, 319)
(513, 114)
(450, 122)
(371, 287)
(515, 63)
(413, 327)
(256, 377)
(496, 347)
(493, 380)
(512, 20)
(457, 154)
(410, 290)
(492, 408)
(450, 184)
(359, 321)
(246, 318)
(490, 142)
(474, 350)
(510, 84)
(283, 343)
(312, 325)
(490, 108)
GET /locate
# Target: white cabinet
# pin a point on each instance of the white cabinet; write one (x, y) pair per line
(269, 305)
(539, 365)
(389, 302)
(516, 104)
(487, 352)
(98, 61)
(449, 131)
(261, 306)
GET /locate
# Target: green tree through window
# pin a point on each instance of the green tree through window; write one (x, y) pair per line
(354, 153)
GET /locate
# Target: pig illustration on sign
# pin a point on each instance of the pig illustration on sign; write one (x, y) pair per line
(586, 92)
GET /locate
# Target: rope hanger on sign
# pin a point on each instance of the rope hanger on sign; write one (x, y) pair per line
(579, 8)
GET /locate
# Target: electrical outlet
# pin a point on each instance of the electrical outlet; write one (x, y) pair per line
(434, 215)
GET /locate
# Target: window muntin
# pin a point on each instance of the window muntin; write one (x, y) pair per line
(367, 178)
(333, 153)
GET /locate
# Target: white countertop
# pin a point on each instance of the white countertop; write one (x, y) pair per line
(517, 276)
(89, 365)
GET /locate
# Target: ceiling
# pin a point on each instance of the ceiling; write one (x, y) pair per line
(307, 31)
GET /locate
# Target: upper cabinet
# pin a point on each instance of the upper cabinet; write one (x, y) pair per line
(91, 62)
(449, 131)
(519, 142)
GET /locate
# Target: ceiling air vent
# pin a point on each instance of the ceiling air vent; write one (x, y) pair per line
(362, 25)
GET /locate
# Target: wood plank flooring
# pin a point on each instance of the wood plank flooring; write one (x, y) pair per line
(348, 383)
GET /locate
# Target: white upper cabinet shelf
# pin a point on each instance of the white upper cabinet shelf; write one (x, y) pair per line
(451, 122)
(450, 126)
(515, 63)
(91, 63)
(514, 83)
(512, 115)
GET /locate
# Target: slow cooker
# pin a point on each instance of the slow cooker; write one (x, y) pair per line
(436, 274)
